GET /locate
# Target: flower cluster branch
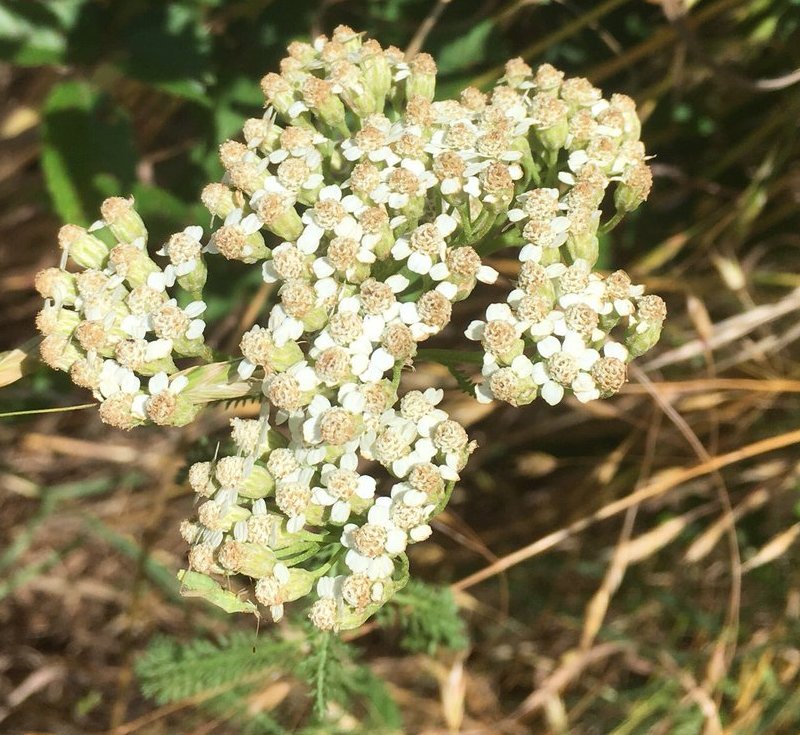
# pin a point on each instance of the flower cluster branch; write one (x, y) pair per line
(370, 207)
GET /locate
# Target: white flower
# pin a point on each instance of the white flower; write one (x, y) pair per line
(521, 365)
(193, 232)
(494, 313)
(422, 262)
(309, 240)
(116, 379)
(422, 452)
(579, 359)
(249, 224)
(373, 556)
(159, 383)
(339, 484)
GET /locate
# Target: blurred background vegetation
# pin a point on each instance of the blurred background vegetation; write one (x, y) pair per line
(622, 567)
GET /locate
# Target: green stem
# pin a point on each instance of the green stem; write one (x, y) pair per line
(612, 223)
(319, 702)
(512, 238)
(552, 168)
(442, 504)
(295, 560)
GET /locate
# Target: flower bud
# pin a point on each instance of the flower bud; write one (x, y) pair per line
(326, 105)
(584, 246)
(84, 248)
(235, 243)
(644, 330)
(213, 382)
(634, 188)
(219, 200)
(278, 92)
(242, 557)
(279, 216)
(170, 409)
(55, 320)
(422, 79)
(123, 220)
(377, 72)
(550, 121)
(195, 584)
(56, 284)
(58, 352)
(262, 133)
(131, 261)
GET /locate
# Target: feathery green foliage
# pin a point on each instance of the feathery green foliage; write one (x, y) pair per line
(428, 616)
(171, 670)
(221, 676)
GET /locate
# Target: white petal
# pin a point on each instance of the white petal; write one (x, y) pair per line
(445, 224)
(522, 366)
(439, 271)
(501, 312)
(420, 533)
(615, 349)
(548, 346)
(475, 330)
(308, 242)
(322, 497)
(159, 382)
(138, 405)
(355, 562)
(296, 523)
(196, 329)
(157, 349)
(179, 382)
(409, 313)
(530, 252)
(401, 249)
(396, 541)
(322, 268)
(448, 290)
(397, 283)
(340, 511)
(419, 263)
(552, 392)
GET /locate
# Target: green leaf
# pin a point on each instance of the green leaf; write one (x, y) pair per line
(467, 51)
(168, 47)
(170, 670)
(87, 151)
(428, 616)
(34, 33)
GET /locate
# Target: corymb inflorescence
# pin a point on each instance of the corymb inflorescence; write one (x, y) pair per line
(371, 208)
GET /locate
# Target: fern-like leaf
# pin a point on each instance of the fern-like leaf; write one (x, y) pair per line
(428, 616)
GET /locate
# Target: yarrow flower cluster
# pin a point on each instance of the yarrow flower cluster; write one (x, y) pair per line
(370, 208)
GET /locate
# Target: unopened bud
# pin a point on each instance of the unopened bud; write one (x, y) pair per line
(84, 248)
(634, 187)
(422, 79)
(123, 220)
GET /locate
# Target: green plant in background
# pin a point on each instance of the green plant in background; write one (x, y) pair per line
(162, 122)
